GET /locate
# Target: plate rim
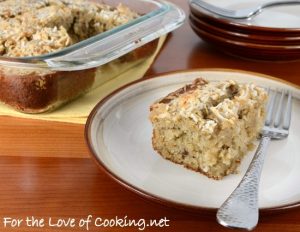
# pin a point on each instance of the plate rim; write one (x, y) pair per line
(242, 26)
(152, 197)
(251, 45)
(245, 36)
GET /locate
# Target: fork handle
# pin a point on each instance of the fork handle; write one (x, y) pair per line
(240, 210)
(279, 2)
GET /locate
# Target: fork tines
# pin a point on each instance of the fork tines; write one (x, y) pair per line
(279, 110)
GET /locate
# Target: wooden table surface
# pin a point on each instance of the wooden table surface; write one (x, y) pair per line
(46, 171)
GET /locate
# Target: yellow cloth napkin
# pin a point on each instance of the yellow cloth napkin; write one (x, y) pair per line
(78, 110)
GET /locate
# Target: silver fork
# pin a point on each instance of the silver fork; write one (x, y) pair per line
(242, 13)
(240, 210)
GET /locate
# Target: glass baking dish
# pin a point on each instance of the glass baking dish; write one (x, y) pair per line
(41, 83)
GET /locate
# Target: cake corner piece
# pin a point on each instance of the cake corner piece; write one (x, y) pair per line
(208, 126)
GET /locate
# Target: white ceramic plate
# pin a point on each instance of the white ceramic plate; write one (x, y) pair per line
(119, 133)
(286, 16)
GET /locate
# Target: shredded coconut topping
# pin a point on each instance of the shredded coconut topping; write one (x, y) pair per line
(35, 27)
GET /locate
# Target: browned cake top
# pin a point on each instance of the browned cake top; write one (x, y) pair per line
(187, 88)
(35, 27)
(209, 102)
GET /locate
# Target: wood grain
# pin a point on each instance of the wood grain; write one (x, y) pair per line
(62, 188)
(28, 137)
(45, 169)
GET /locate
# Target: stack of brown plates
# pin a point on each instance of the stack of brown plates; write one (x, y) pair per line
(272, 35)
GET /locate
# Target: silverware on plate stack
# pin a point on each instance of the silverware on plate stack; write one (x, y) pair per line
(256, 29)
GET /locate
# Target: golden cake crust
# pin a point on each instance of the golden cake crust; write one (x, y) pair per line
(35, 27)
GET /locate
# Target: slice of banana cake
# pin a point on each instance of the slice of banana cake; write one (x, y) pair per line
(208, 126)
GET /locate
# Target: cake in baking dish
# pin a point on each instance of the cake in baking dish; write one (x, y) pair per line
(35, 27)
(38, 27)
(208, 126)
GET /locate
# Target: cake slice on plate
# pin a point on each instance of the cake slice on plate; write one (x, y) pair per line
(208, 126)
